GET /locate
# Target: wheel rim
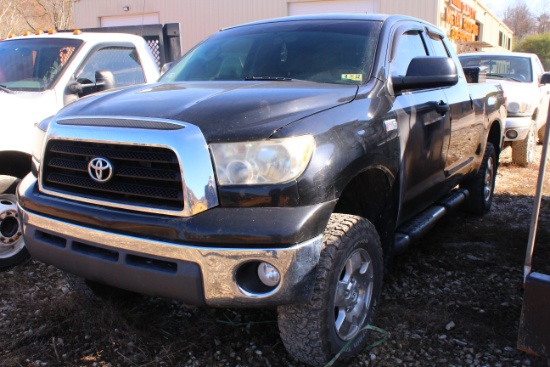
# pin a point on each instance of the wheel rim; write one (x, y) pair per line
(11, 236)
(489, 173)
(353, 294)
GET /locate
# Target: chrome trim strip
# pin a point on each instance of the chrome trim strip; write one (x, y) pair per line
(218, 265)
(188, 143)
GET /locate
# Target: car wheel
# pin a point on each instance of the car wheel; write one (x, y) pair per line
(523, 152)
(345, 296)
(482, 185)
(12, 244)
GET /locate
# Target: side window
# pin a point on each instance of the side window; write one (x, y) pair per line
(439, 47)
(123, 62)
(410, 45)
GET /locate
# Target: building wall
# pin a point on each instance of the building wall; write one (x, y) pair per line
(201, 18)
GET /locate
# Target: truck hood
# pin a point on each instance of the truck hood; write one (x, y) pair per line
(518, 91)
(21, 111)
(224, 111)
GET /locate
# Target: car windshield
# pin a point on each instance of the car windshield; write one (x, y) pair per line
(32, 64)
(333, 51)
(516, 68)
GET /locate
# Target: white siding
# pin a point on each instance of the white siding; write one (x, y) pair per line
(201, 18)
(318, 7)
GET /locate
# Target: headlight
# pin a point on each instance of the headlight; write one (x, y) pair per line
(517, 107)
(262, 162)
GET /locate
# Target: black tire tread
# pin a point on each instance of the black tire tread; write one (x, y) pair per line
(475, 204)
(301, 326)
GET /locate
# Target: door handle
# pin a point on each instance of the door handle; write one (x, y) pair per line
(441, 107)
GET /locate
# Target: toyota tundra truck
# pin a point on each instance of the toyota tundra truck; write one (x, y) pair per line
(281, 163)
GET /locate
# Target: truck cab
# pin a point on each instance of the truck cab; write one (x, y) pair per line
(39, 75)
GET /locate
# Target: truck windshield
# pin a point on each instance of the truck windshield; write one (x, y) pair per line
(34, 64)
(335, 51)
(516, 68)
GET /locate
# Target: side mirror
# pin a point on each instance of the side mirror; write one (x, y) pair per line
(104, 80)
(545, 78)
(426, 72)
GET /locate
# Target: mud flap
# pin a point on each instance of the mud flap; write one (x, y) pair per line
(534, 325)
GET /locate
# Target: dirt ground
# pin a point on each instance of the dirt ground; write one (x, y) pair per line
(453, 299)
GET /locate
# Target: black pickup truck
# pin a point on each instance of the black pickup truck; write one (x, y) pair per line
(279, 163)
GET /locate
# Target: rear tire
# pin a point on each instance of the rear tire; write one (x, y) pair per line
(482, 185)
(12, 244)
(345, 296)
(523, 151)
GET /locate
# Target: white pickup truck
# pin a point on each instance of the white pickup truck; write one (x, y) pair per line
(527, 88)
(39, 74)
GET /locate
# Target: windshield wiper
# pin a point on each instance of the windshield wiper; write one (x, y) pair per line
(3, 88)
(275, 78)
(504, 77)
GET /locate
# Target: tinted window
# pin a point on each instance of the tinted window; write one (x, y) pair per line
(122, 61)
(438, 46)
(410, 45)
(319, 51)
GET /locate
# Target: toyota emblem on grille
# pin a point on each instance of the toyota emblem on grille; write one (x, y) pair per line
(100, 170)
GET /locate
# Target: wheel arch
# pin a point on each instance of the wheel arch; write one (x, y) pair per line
(371, 195)
(496, 137)
(15, 163)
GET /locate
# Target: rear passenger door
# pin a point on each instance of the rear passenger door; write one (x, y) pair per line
(466, 126)
(423, 123)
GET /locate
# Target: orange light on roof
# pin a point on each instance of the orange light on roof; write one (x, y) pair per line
(76, 32)
(38, 31)
(52, 31)
(11, 35)
(27, 33)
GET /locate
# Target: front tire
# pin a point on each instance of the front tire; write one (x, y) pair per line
(12, 244)
(345, 296)
(481, 187)
(523, 151)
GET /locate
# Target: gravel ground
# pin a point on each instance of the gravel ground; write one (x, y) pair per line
(453, 299)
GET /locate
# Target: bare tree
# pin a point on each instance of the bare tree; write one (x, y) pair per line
(46, 14)
(9, 17)
(520, 19)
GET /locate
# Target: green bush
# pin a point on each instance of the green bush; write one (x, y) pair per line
(538, 44)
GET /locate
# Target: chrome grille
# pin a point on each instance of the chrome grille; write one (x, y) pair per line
(143, 175)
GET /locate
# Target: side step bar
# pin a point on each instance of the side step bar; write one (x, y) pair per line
(421, 224)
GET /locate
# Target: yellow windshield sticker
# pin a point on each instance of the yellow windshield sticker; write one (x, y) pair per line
(354, 77)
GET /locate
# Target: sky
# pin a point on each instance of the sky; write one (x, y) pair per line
(498, 6)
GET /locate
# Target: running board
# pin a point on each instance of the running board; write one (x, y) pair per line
(421, 224)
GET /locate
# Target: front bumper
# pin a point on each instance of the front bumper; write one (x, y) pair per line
(195, 274)
(519, 125)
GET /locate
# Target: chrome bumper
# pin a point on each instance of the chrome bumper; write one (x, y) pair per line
(520, 125)
(195, 275)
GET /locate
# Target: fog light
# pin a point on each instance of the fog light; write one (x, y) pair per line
(268, 274)
(511, 134)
